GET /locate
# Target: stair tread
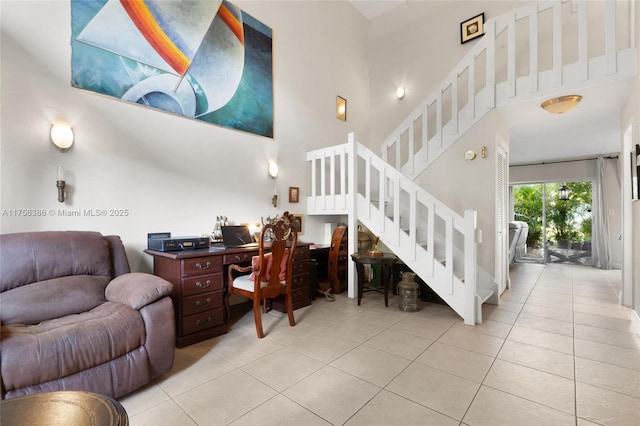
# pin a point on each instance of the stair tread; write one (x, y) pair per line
(484, 294)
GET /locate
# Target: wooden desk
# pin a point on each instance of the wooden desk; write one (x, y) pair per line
(199, 282)
(386, 262)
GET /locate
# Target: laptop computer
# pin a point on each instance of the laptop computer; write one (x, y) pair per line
(237, 236)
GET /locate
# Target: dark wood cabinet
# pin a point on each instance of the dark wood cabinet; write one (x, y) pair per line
(300, 286)
(199, 282)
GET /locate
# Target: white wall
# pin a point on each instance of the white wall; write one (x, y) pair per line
(168, 172)
(416, 45)
(448, 180)
(631, 268)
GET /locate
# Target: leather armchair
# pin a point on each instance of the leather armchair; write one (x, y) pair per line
(74, 317)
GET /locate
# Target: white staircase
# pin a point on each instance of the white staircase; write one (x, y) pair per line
(438, 244)
(588, 43)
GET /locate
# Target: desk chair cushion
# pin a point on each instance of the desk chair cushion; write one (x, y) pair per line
(245, 282)
(264, 274)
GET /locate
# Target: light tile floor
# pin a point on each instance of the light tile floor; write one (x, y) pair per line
(559, 349)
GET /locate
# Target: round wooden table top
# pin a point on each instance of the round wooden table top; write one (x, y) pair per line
(384, 258)
(63, 408)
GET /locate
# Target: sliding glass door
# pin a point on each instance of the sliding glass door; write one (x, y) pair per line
(558, 215)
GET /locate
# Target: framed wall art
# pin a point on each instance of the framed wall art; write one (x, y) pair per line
(298, 222)
(204, 60)
(472, 28)
(294, 194)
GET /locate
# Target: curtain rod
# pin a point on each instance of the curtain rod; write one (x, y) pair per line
(609, 157)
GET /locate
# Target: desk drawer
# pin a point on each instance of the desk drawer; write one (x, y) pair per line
(299, 295)
(201, 302)
(301, 253)
(300, 281)
(238, 257)
(300, 267)
(202, 321)
(202, 284)
(201, 265)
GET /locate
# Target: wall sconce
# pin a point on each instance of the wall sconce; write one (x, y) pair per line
(273, 170)
(400, 92)
(341, 108)
(62, 136)
(564, 192)
(60, 183)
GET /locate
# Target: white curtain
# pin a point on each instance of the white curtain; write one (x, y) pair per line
(601, 252)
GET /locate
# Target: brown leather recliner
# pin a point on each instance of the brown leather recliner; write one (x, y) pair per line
(75, 318)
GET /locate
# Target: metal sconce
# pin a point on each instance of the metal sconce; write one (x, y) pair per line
(273, 172)
(341, 108)
(564, 192)
(61, 184)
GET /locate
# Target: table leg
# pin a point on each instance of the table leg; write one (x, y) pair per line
(385, 282)
(360, 270)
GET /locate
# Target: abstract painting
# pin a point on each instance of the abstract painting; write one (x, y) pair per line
(203, 59)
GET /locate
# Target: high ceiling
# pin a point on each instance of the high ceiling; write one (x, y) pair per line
(372, 8)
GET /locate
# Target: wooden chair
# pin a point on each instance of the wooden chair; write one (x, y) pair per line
(271, 272)
(338, 258)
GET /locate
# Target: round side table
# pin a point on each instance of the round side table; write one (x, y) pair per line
(386, 262)
(63, 408)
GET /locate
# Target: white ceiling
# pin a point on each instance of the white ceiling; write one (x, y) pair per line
(374, 8)
(589, 130)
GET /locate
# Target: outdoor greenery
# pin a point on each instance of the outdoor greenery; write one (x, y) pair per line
(567, 220)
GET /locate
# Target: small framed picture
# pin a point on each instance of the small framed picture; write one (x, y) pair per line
(472, 28)
(298, 223)
(294, 194)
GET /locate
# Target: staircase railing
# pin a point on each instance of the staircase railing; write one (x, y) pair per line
(506, 66)
(442, 251)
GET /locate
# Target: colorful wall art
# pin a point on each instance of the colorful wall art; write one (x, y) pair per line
(205, 59)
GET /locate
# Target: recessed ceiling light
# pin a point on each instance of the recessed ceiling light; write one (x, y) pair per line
(561, 104)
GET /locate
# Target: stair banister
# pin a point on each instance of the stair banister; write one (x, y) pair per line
(458, 117)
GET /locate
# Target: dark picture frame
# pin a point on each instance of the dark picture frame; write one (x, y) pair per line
(472, 28)
(297, 221)
(294, 194)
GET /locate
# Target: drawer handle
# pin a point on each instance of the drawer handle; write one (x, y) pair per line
(199, 303)
(206, 265)
(207, 284)
(241, 258)
(200, 322)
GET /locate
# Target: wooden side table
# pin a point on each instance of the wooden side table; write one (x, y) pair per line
(386, 262)
(63, 408)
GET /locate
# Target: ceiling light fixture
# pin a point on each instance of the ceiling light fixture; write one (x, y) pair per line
(561, 104)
